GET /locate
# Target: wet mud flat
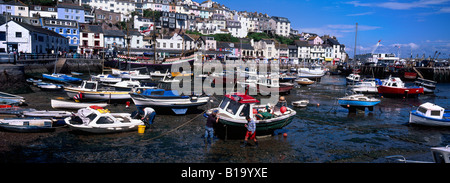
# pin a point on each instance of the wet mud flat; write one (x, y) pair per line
(324, 133)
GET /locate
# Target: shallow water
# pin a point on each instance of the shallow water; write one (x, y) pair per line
(319, 133)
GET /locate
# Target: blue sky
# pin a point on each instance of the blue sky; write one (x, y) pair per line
(417, 26)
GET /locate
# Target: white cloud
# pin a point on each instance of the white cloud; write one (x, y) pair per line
(360, 14)
(337, 30)
(413, 46)
(400, 5)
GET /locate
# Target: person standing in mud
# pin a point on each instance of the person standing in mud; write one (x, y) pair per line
(209, 130)
(251, 131)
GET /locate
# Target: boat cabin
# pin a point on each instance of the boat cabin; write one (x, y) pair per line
(441, 154)
(431, 110)
(269, 81)
(394, 82)
(89, 85)
(237, 105)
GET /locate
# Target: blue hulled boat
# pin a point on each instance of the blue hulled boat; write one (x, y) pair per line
(61, 78)
(160, 98)
(358, 101)
(430, 115)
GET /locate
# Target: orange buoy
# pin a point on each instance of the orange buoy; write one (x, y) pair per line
(284, 134)
(318, 104)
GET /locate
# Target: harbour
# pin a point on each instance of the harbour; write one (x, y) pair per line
(320, 133)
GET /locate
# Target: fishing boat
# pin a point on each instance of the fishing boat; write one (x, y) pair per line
(136, 75)
(428, 85)
(439, 154)
(410, 75)
(76, 73)
(7, 98)
(91, 91)
(358, 101)
(96, 119)
(314, 72)
(236, 106)
(368, 86)
(300, 103)
(61, 78)
(27, 124)
(266, 84)
(159, 74)
(430, 115)
(60, 104)
(163, 99)
(304, 81)
(106, 78)
(128, 85)
(394, 86)
(352, 79)
(287, 77)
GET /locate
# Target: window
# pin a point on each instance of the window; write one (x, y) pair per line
(21, 8)
(2, 36)
(97, 36)
(436, 113)
(75, 40)
(74, 31)
(67, 31)
(105, 120)
(18, 34)
(422, 110)
(97, 43)
(85, 34)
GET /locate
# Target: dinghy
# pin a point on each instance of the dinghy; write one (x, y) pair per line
(304, 81)
(61, 78)
(300, 103)
(91, 91)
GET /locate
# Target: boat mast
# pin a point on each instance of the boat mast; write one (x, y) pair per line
(354, 52)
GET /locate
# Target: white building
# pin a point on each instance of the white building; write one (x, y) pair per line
(236, 30)
(282, 26)
(43, 11)
(119, 6)
(22, 37)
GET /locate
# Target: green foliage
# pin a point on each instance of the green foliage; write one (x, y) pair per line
(154, 15)
(225, 38)
(257, 36)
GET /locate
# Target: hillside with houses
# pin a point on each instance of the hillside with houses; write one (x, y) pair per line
(169, 27)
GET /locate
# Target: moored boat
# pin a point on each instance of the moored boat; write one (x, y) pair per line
(410, 75)
(428, 85)
(7, 98)
(430, 115)
(300, 103)
(304, 81)
(161, 98)
(394, 86)
(313, 72)
(26, 124)
(61, 78)
(236, 106)
(358, 101)
(353, 79)
(60, 104)
(98, 120)
(91, 91)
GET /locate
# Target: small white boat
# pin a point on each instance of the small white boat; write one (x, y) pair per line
(26, 124)
(128, 85)
(45, 113)
(365, 87)
(300, 103)
(49, 86)
(60, 104)
(106, 78)
(159, 74)
(130, 74)
(430, 115)
(99, 120)
(353, 79)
